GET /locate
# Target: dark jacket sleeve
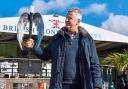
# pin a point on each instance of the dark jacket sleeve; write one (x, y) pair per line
(95, 66)
(42, 53)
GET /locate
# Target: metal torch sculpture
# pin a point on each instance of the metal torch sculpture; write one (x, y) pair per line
(30, 18)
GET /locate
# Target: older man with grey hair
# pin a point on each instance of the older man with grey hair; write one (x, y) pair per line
(75, 64)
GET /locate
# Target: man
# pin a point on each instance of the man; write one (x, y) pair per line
(75, 64)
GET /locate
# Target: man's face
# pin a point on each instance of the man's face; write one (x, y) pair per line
(72, 21)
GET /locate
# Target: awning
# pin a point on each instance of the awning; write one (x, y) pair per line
(53, 23)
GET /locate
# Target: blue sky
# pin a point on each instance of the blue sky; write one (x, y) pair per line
(108, 14)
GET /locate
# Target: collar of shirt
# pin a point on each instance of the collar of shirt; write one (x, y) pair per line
(70, 37)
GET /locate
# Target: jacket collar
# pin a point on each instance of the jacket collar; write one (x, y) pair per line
(81, 31)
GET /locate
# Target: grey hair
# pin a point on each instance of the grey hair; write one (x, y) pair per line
(77, 11)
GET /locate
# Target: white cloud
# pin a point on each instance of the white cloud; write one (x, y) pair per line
(43, 7)
(95, 8)
(23, 9)
(116, 23)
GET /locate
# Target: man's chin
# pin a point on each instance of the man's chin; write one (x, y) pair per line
(68, 27)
